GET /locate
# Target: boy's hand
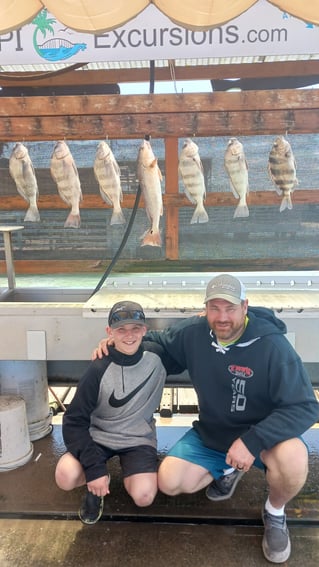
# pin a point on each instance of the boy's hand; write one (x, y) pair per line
(99, 486)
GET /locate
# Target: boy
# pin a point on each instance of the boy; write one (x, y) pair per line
(112, 414)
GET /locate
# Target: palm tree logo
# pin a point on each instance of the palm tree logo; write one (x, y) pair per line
(54, 48)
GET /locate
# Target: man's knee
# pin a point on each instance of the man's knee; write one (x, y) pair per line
(290, 455)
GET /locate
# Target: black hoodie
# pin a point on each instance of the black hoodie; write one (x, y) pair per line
(256, 389)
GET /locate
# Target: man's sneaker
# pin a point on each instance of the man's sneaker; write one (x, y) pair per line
(224, 487)
(276, 543)
(91, 508)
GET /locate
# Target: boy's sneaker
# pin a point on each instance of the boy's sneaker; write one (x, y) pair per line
(91, 508)
(224, 487)
(276, 542)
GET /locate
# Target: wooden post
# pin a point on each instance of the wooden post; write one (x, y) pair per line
(171, 188)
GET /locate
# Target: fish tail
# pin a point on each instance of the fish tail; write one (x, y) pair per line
(199, 215)
(73, 221)
(32, 214)
(241, 211)
(151, 238)
(117, 217)
(286, 203)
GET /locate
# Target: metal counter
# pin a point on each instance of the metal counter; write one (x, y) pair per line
(57, 324)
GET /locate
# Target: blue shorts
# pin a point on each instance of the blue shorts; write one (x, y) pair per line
(191, 448)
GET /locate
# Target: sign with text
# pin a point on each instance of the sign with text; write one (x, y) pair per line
(261, 30)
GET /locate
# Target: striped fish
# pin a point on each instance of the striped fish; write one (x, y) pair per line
(190, 168)
(282, 170)
(22, 172)
(237, 169)
(107, 174)
(65, 174)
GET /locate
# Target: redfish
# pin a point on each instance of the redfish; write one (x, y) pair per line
(282, 170)
(65, 174)
(107, 174)
(190, 168)
(237, 170)
(22, 172)
(150, 177)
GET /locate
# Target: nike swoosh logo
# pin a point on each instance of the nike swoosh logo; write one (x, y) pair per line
(117, 403)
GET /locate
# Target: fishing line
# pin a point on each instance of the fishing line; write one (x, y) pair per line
(124, 240)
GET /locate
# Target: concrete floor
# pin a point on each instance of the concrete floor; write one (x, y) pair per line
(48, 543)
(39, 525)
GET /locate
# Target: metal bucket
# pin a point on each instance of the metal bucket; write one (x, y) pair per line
(28, 378)
(15, 446)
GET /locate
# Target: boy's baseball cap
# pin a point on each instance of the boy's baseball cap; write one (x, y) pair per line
(225, 287)
(125, 312)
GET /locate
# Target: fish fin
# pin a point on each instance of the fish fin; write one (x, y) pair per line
(241, 211)
(75, 168)
(32, 214)
(73, 221)
(278, 190)
(200, 215)
(189, 196)
(233, 190)
(286, 203)
(97, 264)
(117, 218)
(151, 238)
(22, 193)
(116, 168)
(199, 164)
(105, 197)
(270, 174)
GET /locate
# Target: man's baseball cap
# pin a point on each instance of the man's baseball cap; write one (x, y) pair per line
(225, 287)
(125, 312)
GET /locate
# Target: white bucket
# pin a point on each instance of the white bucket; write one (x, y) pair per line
(28, 378)
(15, 446)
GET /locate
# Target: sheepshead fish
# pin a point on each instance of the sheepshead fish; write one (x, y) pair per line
(191, 171)
(65, 174)
(22, 172)
(150, 177)
(282, 170)
(237, 170)
(107, 174)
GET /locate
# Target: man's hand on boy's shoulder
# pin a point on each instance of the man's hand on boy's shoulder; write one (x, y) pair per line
(102, 348)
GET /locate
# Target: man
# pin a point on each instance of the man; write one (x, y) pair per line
(255, 401)
(112, 414)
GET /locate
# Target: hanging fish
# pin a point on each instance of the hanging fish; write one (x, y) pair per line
(282, 171)
(65, 174)
(191, 171)
(22, 172)
(237, 170)
(150, 177)
(107, 174)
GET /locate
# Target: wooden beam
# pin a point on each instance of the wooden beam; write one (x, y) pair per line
(106, 105)
(182, 73)
(161, 116)
(161, 125)
(171, 200)
(23, 267)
